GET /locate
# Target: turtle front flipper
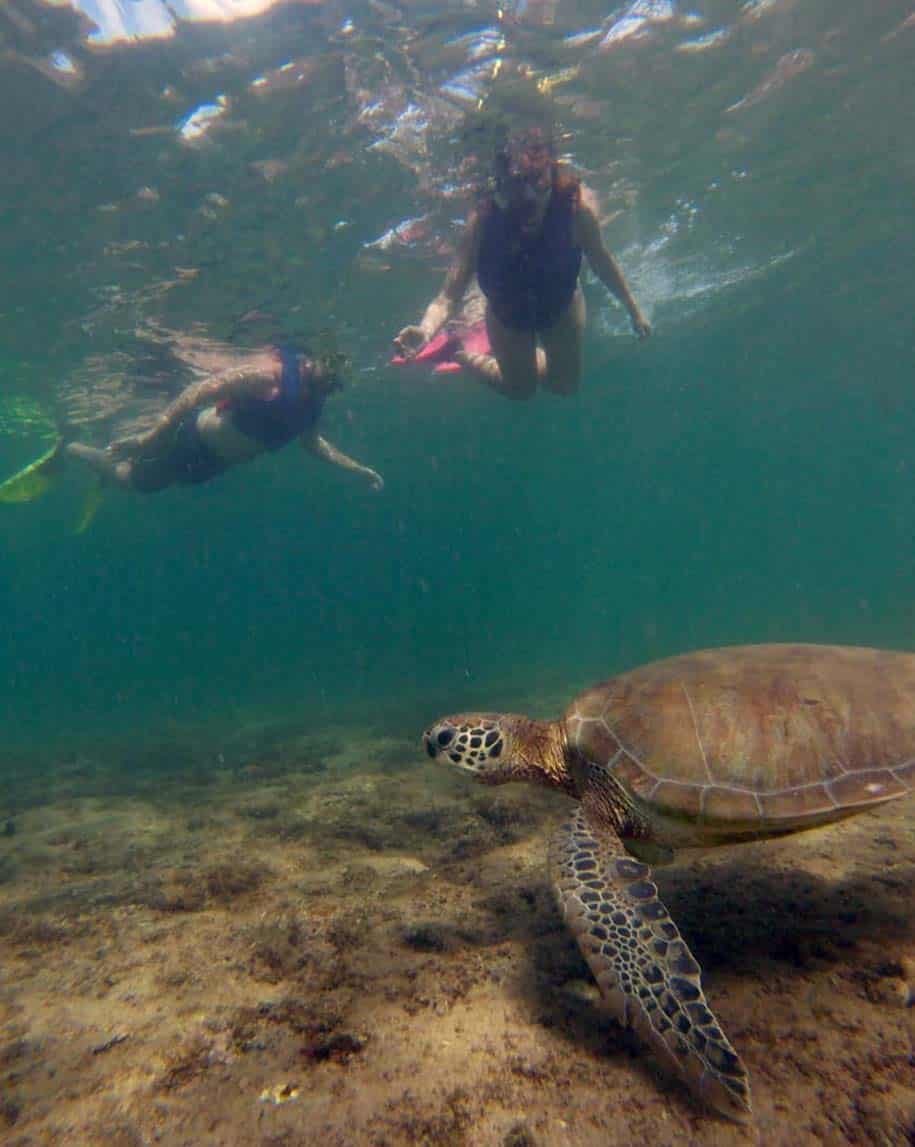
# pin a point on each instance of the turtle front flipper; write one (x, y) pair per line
(644, 969)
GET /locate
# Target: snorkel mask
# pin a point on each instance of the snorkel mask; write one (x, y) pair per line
(333, 366)
(523, 177)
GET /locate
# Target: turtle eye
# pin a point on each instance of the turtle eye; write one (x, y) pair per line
(445, 737)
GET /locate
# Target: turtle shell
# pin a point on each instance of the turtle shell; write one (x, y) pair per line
(768, 737)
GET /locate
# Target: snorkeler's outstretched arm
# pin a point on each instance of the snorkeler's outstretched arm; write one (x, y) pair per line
(602, 262)
(231, 384)
(413, 338)
(321, 448)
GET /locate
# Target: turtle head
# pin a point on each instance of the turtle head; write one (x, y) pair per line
(499, 747)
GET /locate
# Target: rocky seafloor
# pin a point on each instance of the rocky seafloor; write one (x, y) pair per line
(326, 939)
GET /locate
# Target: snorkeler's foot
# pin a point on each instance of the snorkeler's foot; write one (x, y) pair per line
(101, 461)
(475, 340)
(471, 348)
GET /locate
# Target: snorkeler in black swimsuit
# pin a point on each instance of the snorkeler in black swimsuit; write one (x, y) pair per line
(525, 243)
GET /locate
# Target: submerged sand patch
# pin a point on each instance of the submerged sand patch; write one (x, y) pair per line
(327, 940)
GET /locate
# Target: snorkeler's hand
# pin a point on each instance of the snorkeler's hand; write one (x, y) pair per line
(640, 325)
(375, 480)
(411, 341)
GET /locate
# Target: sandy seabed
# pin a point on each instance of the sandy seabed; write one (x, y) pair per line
(328, 940)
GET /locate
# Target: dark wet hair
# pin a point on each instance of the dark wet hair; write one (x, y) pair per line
(517, 116)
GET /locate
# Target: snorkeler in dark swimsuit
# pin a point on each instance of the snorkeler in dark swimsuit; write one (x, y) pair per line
(525, 243)
(259, 403)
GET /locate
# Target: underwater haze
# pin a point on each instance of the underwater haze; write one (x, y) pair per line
(239, 905)
(745, 475)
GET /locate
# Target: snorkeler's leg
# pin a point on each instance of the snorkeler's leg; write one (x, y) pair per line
(144, 475)
(513, 366)
(562, 343)
(107, 466)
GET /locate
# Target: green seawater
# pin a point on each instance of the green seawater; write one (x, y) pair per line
(745, 475)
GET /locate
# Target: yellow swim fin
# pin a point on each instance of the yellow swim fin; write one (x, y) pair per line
(94, 498)
(35, 479)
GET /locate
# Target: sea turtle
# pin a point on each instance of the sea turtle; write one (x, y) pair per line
(714, 747)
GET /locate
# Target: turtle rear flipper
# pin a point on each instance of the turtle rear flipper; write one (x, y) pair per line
(644, 968)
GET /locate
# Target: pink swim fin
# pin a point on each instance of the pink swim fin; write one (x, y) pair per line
(438, 351)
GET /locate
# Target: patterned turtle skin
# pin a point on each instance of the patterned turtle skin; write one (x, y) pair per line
(709, 748)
